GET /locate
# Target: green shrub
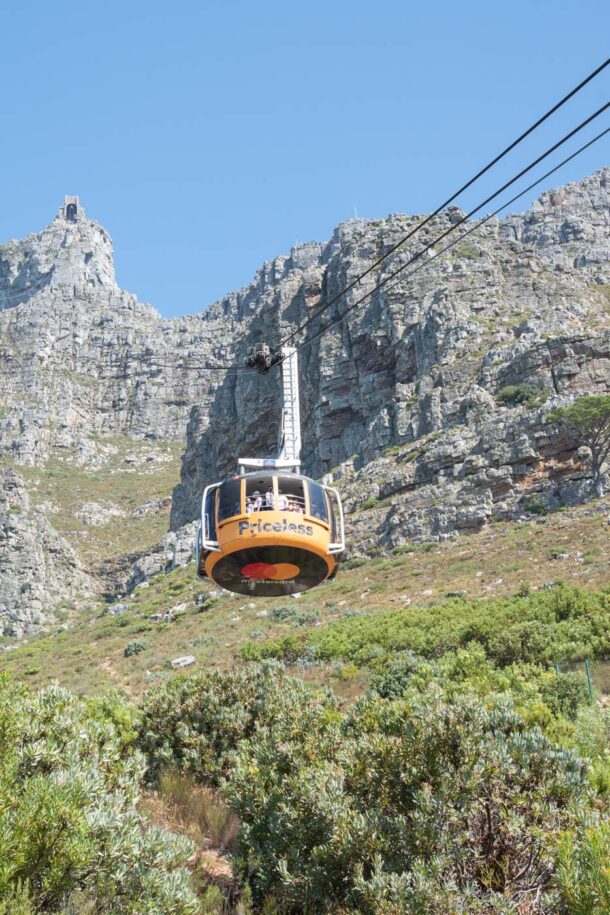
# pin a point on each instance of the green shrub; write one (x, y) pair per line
(195, 724)
(135, 647)
(566, 693)
(466, 249)
(69, 822)
(354, 563)
(283, 612)
(535, 507)
(440, 794)
(306, 618)
(583, 874)
(17, 901)
(371, 502)
(516, 394)
(213, 902)
(348, 672)
(558, 624)
(436, 792)
(396, 677)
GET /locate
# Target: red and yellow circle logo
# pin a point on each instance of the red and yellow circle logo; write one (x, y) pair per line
(279, 571)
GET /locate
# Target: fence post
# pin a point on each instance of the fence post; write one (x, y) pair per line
(589, 680)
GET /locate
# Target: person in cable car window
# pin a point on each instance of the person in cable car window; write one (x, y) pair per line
(254, 503)
(293, 506)
(282, 503)
(269, 499)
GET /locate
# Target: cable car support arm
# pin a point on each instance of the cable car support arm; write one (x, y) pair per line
(289, 449)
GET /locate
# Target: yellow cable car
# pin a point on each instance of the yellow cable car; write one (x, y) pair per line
(268, 530)
(266, 534)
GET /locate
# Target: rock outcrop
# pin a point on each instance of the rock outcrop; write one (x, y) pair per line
(38, 568)
(520, 302)
(403, 402)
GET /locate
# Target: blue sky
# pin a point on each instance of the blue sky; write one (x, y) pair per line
(208, 137)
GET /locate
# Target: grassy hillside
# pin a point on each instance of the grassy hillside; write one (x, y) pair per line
(400, 740)
(130, 485)
(501, 561)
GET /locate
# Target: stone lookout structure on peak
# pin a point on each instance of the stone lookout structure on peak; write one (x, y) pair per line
(71, 211)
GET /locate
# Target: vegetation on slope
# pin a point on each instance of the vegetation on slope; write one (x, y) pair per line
(463, 780)
(560, 623)
(70, 831)
(452, 767)
(64, 488)
(90, 655)
(449, 787)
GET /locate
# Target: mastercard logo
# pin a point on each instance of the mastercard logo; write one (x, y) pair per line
(279, 571)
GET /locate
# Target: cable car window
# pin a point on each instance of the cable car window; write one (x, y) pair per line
(230, 499)
(333, 519)
(317, 502)
(256, 489)
(291, 494)
(210, 516)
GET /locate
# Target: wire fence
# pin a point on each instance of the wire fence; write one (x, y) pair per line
(596, 673)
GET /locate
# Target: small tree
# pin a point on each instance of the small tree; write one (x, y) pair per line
(587, 420)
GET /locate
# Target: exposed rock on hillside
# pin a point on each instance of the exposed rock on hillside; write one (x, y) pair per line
(38, 569)
(432, 353)
(82, 359)
(403, 402)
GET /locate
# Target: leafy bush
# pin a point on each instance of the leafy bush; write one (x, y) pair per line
(397, 676)
(371, 502)
(516, 394)
(559, 624)
(437, 792)
(306, 618)
(535, 507)
(17, 901)
(550, 700)
(283, 612)
(466, 249)
(196, 723)
(588, 853)
(69, 823)
(566, 693)
(354, 563)
(213, 902)
(430, 793)
(135, 647)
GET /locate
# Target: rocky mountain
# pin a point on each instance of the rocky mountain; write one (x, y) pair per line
(407, 403)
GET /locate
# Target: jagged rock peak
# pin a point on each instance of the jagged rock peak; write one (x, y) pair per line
(73, 253)
(569, 225)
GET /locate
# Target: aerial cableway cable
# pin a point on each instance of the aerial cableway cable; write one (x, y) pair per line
(230, 369)
(470, 231)
(380, 285)
(446, 203)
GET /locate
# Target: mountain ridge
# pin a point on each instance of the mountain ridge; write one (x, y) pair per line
(87, 369)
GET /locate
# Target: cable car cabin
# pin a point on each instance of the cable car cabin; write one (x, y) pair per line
(266, 534)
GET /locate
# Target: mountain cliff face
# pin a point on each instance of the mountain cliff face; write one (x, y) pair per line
(403, 403)
(526, 300)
